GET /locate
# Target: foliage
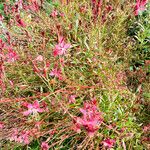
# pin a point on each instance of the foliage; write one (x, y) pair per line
(74, 75)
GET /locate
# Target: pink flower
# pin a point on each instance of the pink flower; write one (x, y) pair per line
(56, 73)
(54, 13)
(1, 18)
(91, 119)
(44, 106)
(39, 58)
(83, 9)
(19, 21)
(61, 47)
(34, 6)
(44, 146)
(62, 14)
(1, 125)
(96, 7)
(11, 56)
(2, 44)
(61, 61)
(140, 6)
(22, 137)
(72, 99)
(52, 132)
(14, 135)
(20, 4)
(6, 9)
(109, 8)
(146, 128)
(32, 108)
(109, 143)
(77, 125)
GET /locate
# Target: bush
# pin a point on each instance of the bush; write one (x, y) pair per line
(69, 76)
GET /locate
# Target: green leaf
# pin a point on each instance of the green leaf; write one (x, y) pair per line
(147, 95)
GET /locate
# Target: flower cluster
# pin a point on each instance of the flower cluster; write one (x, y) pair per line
(44, 146)
(20, 137)
(96, 6)
(10, 56)
(32, 108)
(108, 143)
(7, 55)
(91, 118)
(56, 73)
(55, 14)
(61, 47)
(140, 6)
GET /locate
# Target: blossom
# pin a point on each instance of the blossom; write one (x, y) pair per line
(61, 47)
(34, 6)
(77, 125)
(72, 99)
(91, 119)
(20, 3)
(61, 14)
(61, 61)
(1, 125)
(146, 128)
(21, 137)
(54, 13)
(44, 146)
(6, 9)
(109, 8)
(140, 6)
(83, 9)
(39, 58)
(96, 7)
(56, 73)
(2, 44)
(52, 132)
(19, 21)
(1, 18)
(32, 108)
(11, 56)
(14, 135)
(24, 137)
(109, 143)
